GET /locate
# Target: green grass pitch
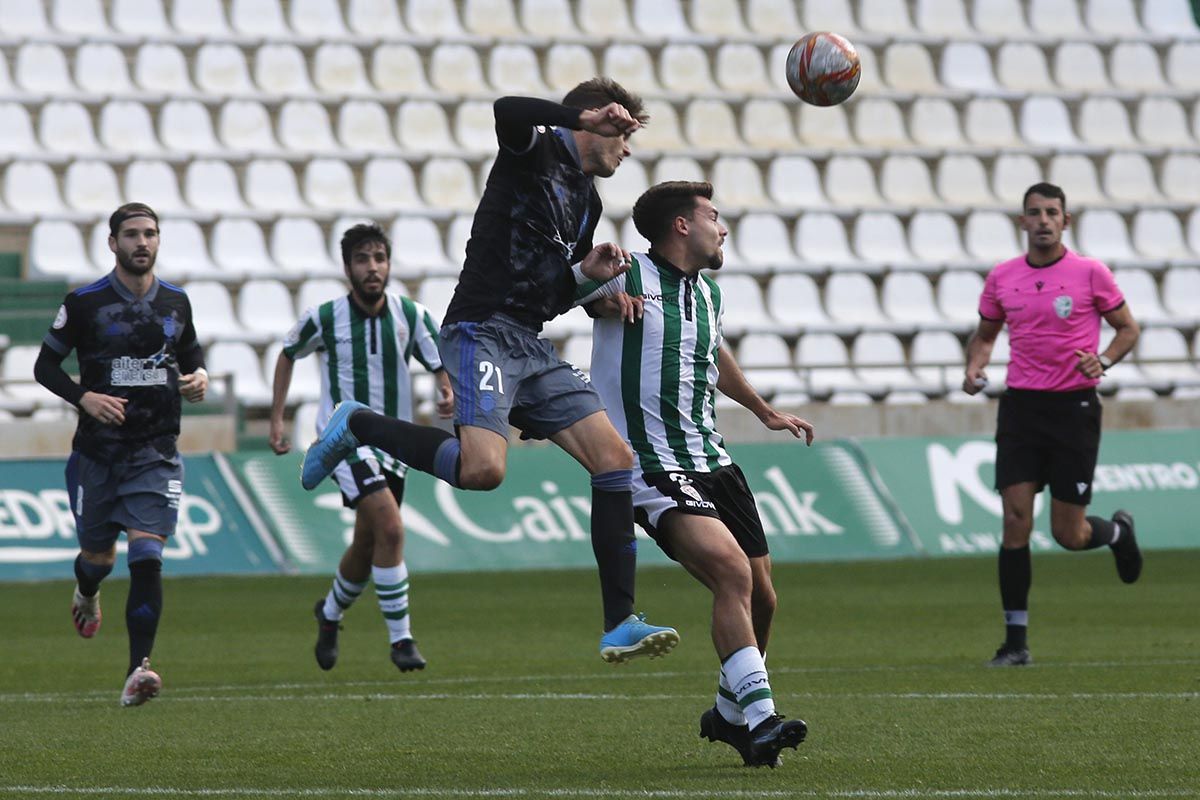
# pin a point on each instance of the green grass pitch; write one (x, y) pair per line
(884, 661)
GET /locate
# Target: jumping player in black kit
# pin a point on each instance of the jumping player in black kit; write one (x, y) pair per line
(138, 354)
(530, 246)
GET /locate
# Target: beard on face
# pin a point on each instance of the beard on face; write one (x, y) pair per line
(129, 265)
(368, 294)
(716, 259)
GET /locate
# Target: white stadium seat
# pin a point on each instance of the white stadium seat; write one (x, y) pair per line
(850, 181)
(1181, 179)
(630, 65)
(934, 123)
(1141, 292)
(905, 181)
(221, 70)
(315, 291)
(887, 17)
(200, 18)
(958, 297)
(1079, 66)
(1004, 18)
(185, 126)
(212, 312)
(741, 68)
(281, 69)
(155, 183)
(909, 68)
(397, 68)
(306, 375)
(101, 68)
(1013, 173)
(339, 69)
(938, 360)
(456, 69)
(18, 365)
(245, 126)
(328, 184)
(764, 242)
(738, 183)
(821, 241)
(767, 125)
(212, 186)
(1183, 65)
(1158, 234)
(434, 19)
(239, 359)
(56, 250)
(1172, 17)
(683, 69)
(743, 302)
(794, 301)
(66, 127)
(183, 251)
(683, 168)
(767, 364)
(879, 362)
(304, 127)
(660, 18)
(447, 183)
(32, 187)
(317, 18)
(603, 18)
(375, 18)
(423, 127)
(989, 122)
(1045, 121)
(239, 248)
(79, 17)
(1181, 294)
(769, 17)
(1022, 66)
(935, 241)
(16, 131)
(991, 236)
(1162, 121)
(879, 241)
(1135, 66)
(962, 181)
(1103, 121)
(20, 19)
(850, 298)
(793, 181)
(548, 18)
(1077, 172)
(710, 125)
(363, 125)
(1056, 17)
(1102, 235)
(271, 186)
(967, 66)
(879, 123)
(907, 297)
(161, 68)
(91, 186)
(125, 127)
(568, 65)
(1112, 17)
(946, 18)
(423, 251)
(389, 185)
(1157, 344)
(514, 68)
(822, 358)
(1129, 178)
(298, 247)
(823, 127)
(258, 18)
(624, 187)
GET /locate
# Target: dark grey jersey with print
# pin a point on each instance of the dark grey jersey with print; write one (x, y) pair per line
(132, 348)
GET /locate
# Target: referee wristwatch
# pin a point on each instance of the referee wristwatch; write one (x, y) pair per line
(1105, 362)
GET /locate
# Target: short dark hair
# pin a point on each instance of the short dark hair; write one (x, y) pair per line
(1045, 190)
(599, 92)
(656, 210)
(360, 234)
(129, 211)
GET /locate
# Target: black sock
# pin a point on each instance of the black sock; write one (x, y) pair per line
(415, 445)
(143, 608)
(89, 575)
(615, 548)
(1103, 531)
(1016, 576)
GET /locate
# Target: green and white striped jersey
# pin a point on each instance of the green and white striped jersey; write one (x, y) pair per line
(366, 358)
(658, 376)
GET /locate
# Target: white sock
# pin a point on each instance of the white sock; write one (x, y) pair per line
(341, 596)
(747, 674)
(727, 705)
(391, 587)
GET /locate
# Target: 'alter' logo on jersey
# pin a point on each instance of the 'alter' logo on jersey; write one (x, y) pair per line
(1062, 306)
(152, 371)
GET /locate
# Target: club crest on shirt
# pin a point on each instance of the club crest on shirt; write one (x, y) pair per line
(1063, 305)
(168, 325)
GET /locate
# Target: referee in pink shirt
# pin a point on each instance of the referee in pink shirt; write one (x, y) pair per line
(1048, 426)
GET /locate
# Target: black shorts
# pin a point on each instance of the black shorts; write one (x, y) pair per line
(367, 477)
(722, 494)
(1049, 438)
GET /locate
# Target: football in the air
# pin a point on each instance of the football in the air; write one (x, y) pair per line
(823, 68)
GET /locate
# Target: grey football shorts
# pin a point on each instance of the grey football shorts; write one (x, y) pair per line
(503, 375)
(141, 495)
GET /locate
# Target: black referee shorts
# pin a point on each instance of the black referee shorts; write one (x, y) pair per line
(1049, 438)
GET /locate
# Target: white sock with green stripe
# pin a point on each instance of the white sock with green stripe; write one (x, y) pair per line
(391, 586)
(727, 705)
(746, 673)
(341, 596)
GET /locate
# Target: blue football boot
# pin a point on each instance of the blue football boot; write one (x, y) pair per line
(331, 447)
(635, 637)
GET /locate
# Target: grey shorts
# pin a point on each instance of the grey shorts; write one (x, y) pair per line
(503, 375)
(141, 495)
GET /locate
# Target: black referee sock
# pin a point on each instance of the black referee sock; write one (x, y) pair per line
(143, 608)
(1103, 532)
(415, 445)
(1016, 576)
(613, 544)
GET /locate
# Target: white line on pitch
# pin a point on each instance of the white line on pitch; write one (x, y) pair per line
(633, 794)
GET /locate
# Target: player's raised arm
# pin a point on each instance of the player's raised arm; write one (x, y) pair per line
(733, 384)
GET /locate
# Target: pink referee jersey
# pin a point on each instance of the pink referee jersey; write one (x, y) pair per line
(1051, 312)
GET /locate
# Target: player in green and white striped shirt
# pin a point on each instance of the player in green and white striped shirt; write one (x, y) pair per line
(657, 376)
(365, 340)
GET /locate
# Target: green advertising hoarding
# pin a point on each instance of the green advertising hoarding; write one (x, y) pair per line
(213, 535)
(943, 487)
(816, 503)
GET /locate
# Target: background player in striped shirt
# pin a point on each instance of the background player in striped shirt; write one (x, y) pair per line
(364, 340)
(657, 376)
(1048, 424)
(138, 355)
(531, 243)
